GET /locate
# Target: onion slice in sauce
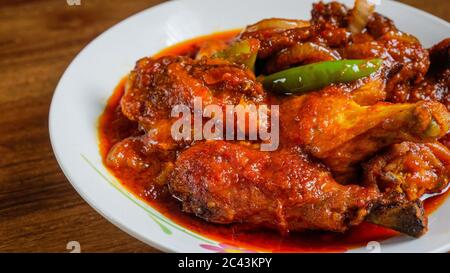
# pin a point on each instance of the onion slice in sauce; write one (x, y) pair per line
(277, 23)
(304, 53)
(360, 15)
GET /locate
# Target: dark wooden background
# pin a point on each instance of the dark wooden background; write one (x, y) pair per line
(39, 209)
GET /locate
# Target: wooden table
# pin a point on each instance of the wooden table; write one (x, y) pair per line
(39, 209)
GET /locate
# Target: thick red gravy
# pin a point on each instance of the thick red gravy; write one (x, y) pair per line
(113, 127)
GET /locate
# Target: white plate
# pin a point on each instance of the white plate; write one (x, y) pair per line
(83, 90)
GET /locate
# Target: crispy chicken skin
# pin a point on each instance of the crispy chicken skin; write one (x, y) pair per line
(227, 183)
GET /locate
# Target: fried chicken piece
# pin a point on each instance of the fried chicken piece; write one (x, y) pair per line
(435, 87)
(334, 128)
(440, 56)
(225, 183)
(437, 82)
(413, 169)
(395, 48)
(378, 25)
(156, 86)
(332, 13)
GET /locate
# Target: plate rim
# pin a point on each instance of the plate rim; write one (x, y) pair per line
(93, 203)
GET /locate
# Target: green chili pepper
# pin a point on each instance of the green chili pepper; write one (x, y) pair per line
(241, 52)
(318, 75)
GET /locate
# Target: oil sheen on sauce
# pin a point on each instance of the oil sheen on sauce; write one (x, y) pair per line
(113, 127)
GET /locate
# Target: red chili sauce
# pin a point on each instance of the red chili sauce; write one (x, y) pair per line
(114, 127)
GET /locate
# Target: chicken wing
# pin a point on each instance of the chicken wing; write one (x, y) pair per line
(334, 128)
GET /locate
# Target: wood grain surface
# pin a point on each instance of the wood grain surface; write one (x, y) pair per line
(39, 209)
